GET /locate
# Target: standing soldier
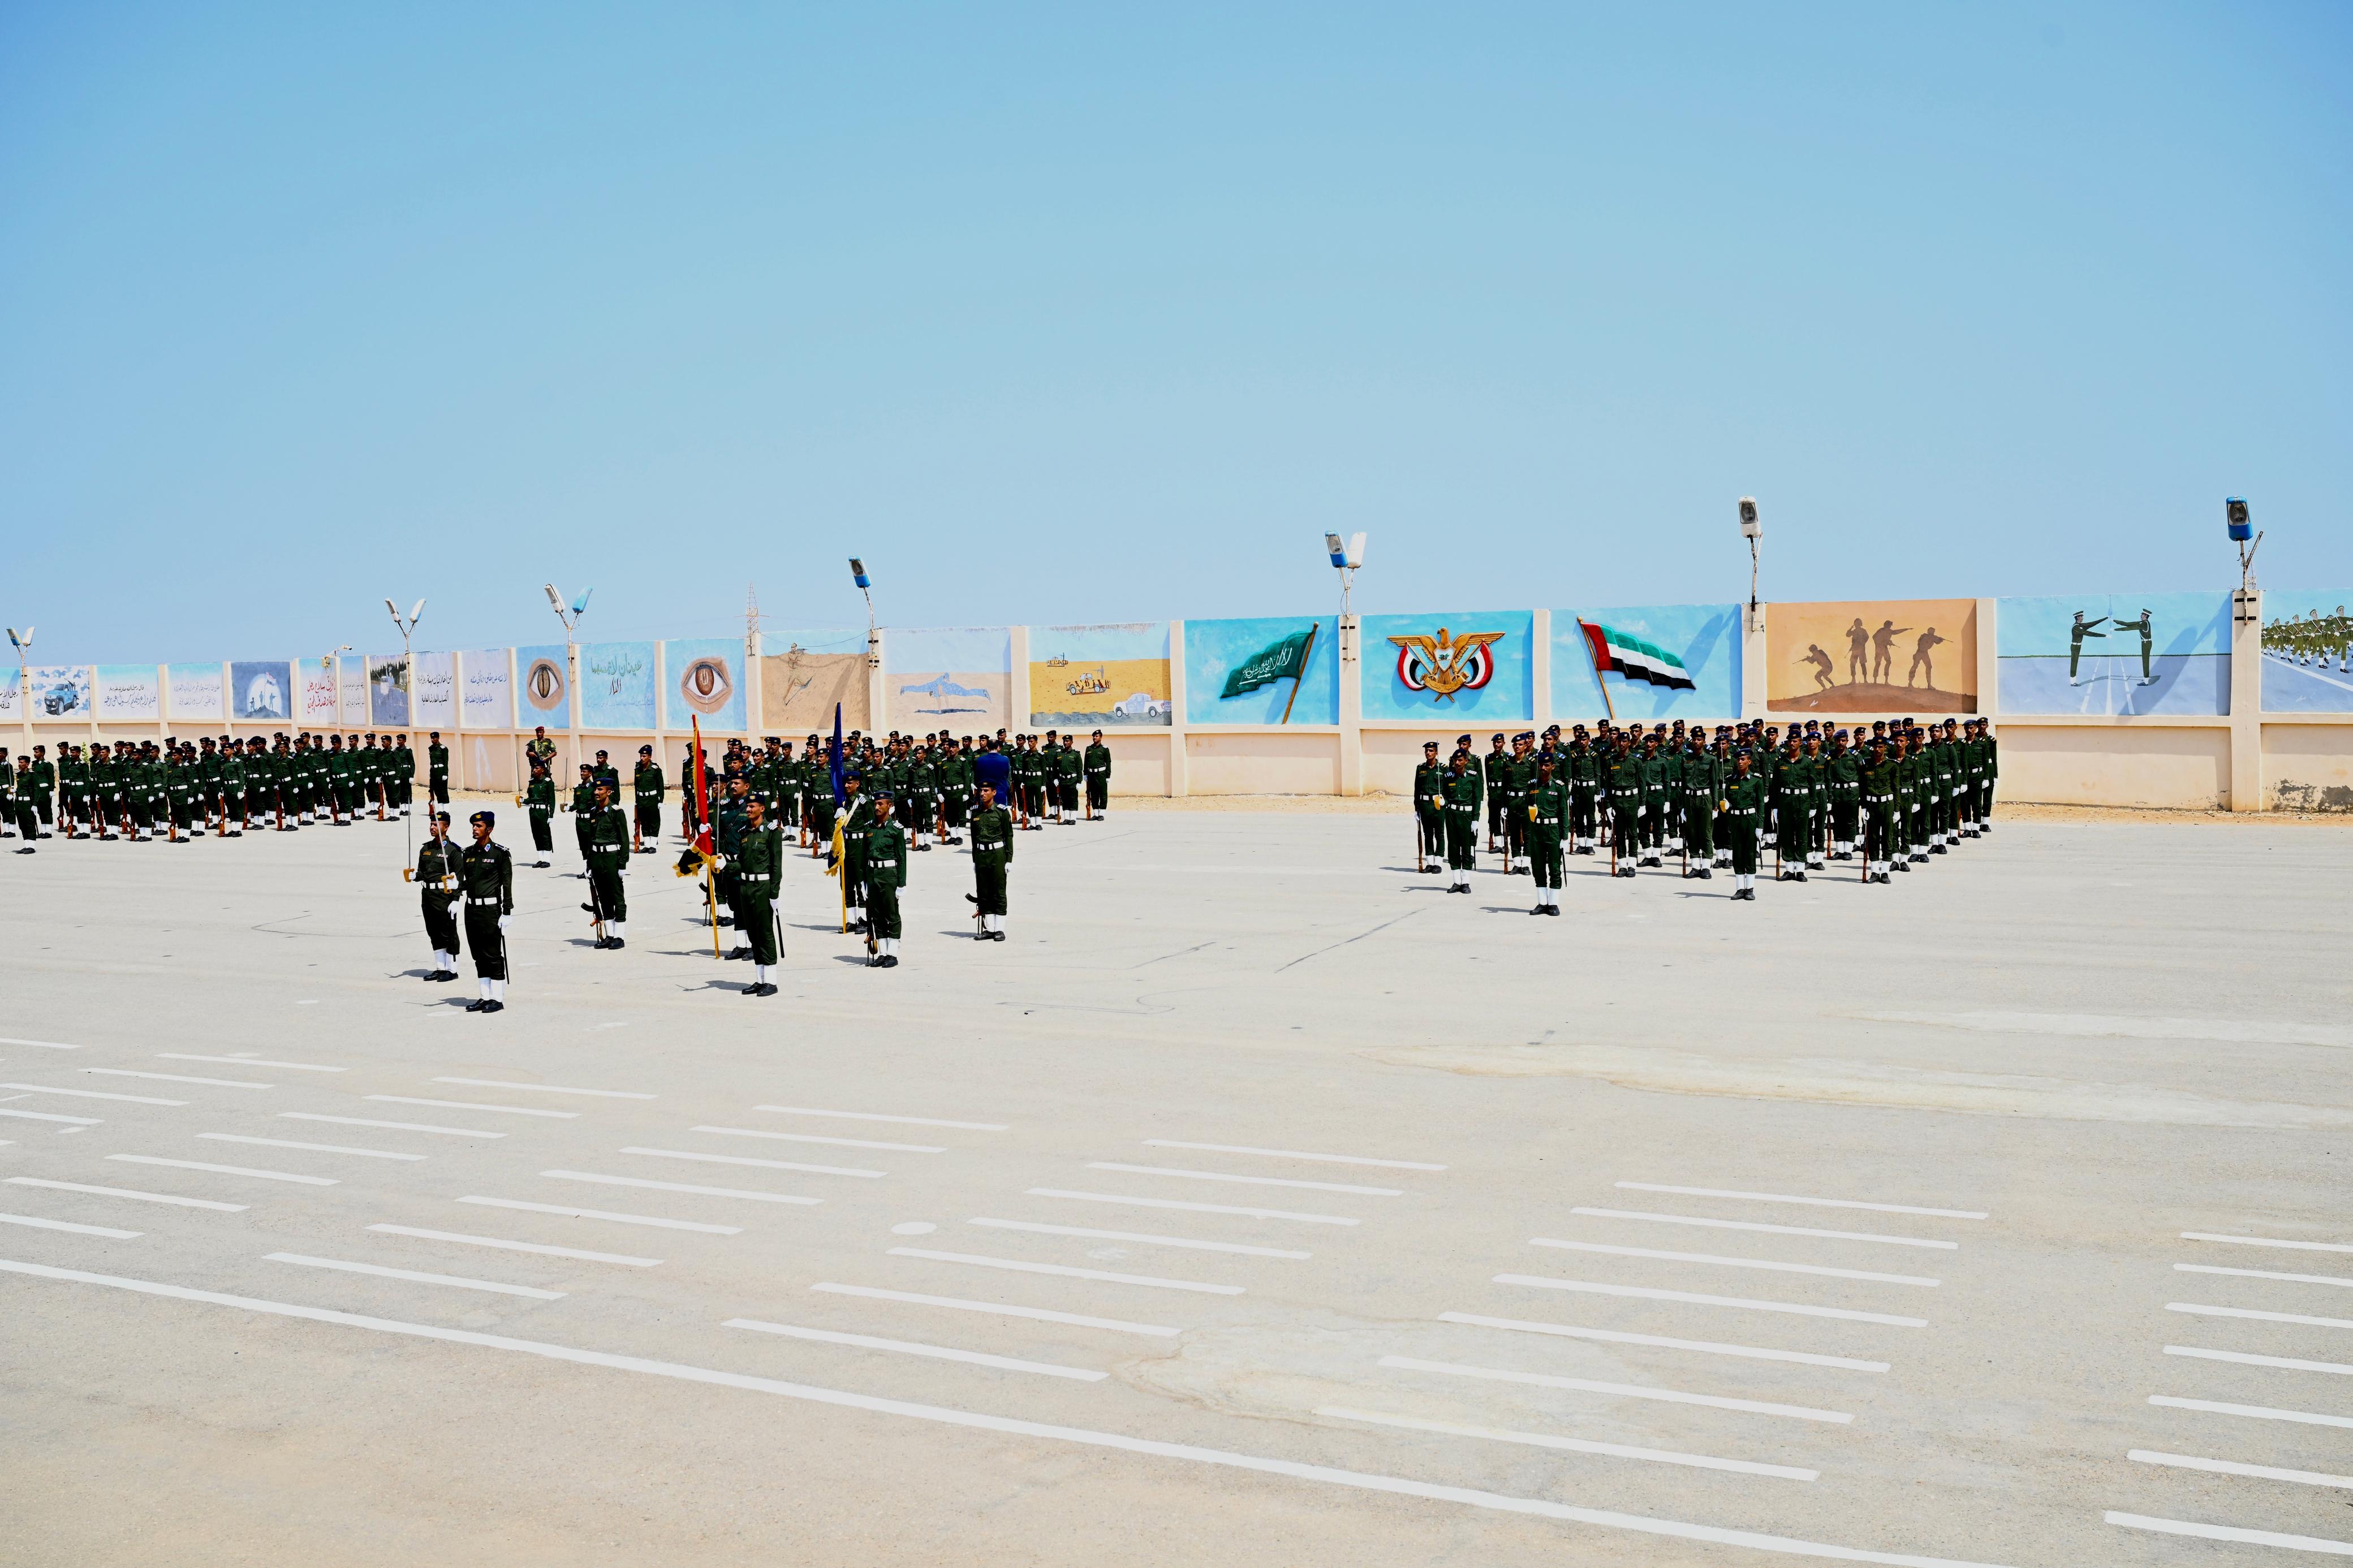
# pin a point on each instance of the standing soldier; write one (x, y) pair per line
(1624, 773)
(1743, 808)
(1069, 767)
(44, 778)
(1494, 777)
(1843, 771)
(856, 814)
(1098, 771)
(605, 843)
(1429, 810)
(27, 807)
(1703, 786)
(922, 798)
(540, 748)
(485, 881)
(992, 856)
(436, 876)
(1878, 787)
(437, 772)
(1988, 773)
(583, 800)
(1584, 793)
(1547, 810)
(730, 818)
(1463, 792)
(757, 868)
(73, 788)
(648, 783)
(886, 873)
(539, 795)
(1793, 794)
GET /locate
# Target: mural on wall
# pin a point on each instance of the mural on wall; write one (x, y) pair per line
(2309, 652)
(1279, 669)
(957, 678)
(388, 690)
(129, 693)
(12, 691)
(546, 694)
(800, 687)
(316, 690)
(194, 693)
(616, 685)
(352, 689)
(261, 688)
(703, 679)
(1468, 665)
(433, 691)
(1875, 656)
(1099, 677)
(2105, 653)
(1637, 663)
(489, 701)
(61, 692)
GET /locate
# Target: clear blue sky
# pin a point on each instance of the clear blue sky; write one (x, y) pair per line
(1106, 313)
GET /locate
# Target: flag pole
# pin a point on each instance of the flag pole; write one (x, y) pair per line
(703, 835)
(1594, 658)
(1301, 678)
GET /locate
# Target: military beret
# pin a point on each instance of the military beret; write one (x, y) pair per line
(487, 818)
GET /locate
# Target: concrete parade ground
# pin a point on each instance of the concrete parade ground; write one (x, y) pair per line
(1257, 1203)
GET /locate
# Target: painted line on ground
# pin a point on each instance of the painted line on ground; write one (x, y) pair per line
(1245, 1180)
(843, 1142)
(93, 1094)
(1736, 1262)
(1571, 1444)
(394, 1126)
(2231, 1533)
(1141, 1236)
(870, 1116)
(998, 1309)
(2268, 1241)
(1016, 1266)
(940, 1415)
(746, 1159)
(1188, 1207)
(45, 1044)
(1292, 1154)
(2260, 1274)
(859, 1171)
(244, 1062)
(909, 1347)
(543, 1088)
(568, 1212)
(503, 1245)
(52, 1116)
(1646, 1293)
(2233, 1467)
(225, 1169)
(679, 1187)
(132, 1192)
(1705, 1347)
(2199, 1310)
(1789, 1198)
(1627, 1390)
(38, 1224)
(416, 1276)
(2286, 1363)
(313, 1148)
(2259, 1412)
(1760, 1225)
(473, 1105)
(180, 1077)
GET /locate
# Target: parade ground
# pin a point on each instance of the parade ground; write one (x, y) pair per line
(1256, 1203)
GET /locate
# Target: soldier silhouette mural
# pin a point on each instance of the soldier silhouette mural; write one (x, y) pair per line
(1804, 677)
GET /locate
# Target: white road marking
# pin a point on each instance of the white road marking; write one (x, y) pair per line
(998, 1309)
(396, 1126)
(2232, 1533)
(416, 1276)
(543, 1088)
(180, 1077)
(1245, 1180)
(93, 1094)
(1811, 1203)
(1354, 1480)
(52, 1116)
(2268, 1241)
(313, 1148)
(2261, 1274)
(1628, 1390)
(38, 1224)
(1707, 1347)
(1770, 1229)
(244, 1062)
(679, 1187)
(835, 1143)
(1291, 1154)
(570, 1213)
(505, 1245)
(1736, 1262)
(2196, 1309)
(1190, 1207)
(820, 1169)
(225, 1170)
(909, 1347)
(1017, 1266)
(45, 1044)
(870, 1116)
(473, 1105)
(1139, 1236)
(1645, 1293)
(1571, 1444)
(2286, 1363)
(132, 1192)
(2233, 1467)
(2259, 1412)
(746, 1159)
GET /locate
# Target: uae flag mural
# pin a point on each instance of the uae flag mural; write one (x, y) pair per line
(1635, 660)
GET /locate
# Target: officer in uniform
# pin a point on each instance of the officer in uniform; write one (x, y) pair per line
(1097, 765)
(485, 882)
(1494, 777)
(1743, 808)
(756, 866)
(856, 821)
(436, 876)
(1877, 785)
(992, 855)
(1464, 789)
(1703, 786)
(1429, 809)
(1624, 771)
(647, 783)
(1793, 792)
(436, 771)
(583, 802)
(1547, 809)
(730, 816)
(605, 846)
(886, 873)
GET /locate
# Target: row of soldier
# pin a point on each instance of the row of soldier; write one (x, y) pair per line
(1892, 797)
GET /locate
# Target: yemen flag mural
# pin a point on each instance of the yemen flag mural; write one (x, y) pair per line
(1635, 660)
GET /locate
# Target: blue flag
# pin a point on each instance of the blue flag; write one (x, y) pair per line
(836, 754)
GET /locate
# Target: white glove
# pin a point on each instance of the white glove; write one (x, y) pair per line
(502, 922)
(719, 862)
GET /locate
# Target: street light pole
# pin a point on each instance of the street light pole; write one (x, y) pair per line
(409, 673)
(24, 645)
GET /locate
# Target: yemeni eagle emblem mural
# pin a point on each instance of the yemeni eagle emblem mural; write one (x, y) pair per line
(1444, 665)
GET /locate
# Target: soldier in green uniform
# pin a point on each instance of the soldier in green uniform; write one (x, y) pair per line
(540, 748)
(886, 873)
(789, 785)
(1793, 802)
(583, 802)
(646, 781)
(237, 790)
(1096, 765)
(857, 814)
(1658, 798)
(486, 883)
(1879, 845)
(992, 856)
(1070, 770)
(43, 776)
(605, 844)
(1703, 786)
(180, 793)
(756, 866)
(1494, 777)
(27, 809)
(436, 876)
(922, 798)
(437, 772)
(730, 816)
(822, 806)
(1624, 776)
(539, 797)
(1842, 772)
(1743, 809)
(1547, 811)
(1464, 792)
(1989, 774)
(1583, 771)
(1429, 810)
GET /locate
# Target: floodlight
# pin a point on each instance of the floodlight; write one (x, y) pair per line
(2235, 517)
(554, 599)
(1750, 528)
(857, 573)
(1356, 550)
(392, 610)
(415, 610)
(25, 641)
(1337, 551)
(580, 604)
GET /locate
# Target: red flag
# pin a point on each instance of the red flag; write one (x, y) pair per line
(702, 841)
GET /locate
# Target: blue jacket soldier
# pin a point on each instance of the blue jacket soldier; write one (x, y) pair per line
(485, 882)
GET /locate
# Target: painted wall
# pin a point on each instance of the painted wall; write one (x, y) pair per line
(193, 693)
(487, 699)
(617, 686)
(388, 678)
(128, 694)
(804, 674)
(546, 697)
(1703, 642)
(1215, 650)
(262, 690)
(2308, 767)
(958, 679)
(703, 679)
(2309, 652)
(1108, 677)
(1871, 656)
(1477, 666)
(2114, 652)
(2173, 768)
